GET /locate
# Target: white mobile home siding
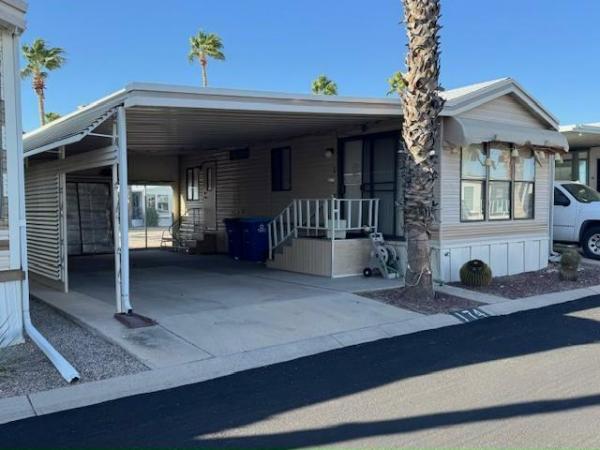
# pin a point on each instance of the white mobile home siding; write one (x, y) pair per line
(244, 185)
(12, 282)
(505, 109)
(512, 246)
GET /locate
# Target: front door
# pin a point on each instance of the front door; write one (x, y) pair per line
(370, 170)
(209, 195)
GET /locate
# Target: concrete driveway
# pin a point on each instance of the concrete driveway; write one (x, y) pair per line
(210, 306)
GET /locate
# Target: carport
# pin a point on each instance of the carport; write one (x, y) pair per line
(141, 135)
(209, 306)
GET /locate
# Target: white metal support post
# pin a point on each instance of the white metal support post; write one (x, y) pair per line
(62, 210)
(116, 226)
(125, 304)
(335, 206)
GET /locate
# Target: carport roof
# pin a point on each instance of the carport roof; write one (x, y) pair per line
(178, 117)
(582, 135)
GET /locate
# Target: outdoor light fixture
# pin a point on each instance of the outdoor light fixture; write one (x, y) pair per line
(328, 153)
(558, 157)
(514, 153)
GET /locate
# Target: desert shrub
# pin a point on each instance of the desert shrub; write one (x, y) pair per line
(569, 265)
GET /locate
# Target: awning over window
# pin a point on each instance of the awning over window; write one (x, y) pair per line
(460, 132)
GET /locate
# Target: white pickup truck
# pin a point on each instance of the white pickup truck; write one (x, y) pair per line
(577, 216)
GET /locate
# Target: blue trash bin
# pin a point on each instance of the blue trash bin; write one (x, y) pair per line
(234, 237)
(255, 238)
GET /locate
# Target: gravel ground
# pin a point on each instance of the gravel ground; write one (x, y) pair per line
(442, 303)
(536, 283)
(24, 368)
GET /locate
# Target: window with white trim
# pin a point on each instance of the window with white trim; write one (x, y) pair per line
(192, 176)
(497, 183)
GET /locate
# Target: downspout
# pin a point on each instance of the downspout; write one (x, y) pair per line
(551, 160)
(68, 372)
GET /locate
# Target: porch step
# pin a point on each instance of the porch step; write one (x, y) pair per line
(313, 256)
(303, 255)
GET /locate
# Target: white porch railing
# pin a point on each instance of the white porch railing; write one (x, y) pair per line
(322, 217)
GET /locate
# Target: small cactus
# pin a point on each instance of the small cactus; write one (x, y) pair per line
(569, 265)
(475, 273)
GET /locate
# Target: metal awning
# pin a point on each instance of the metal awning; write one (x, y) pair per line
(171, 118)
(73, 127)
(461, 132)
(163, 118)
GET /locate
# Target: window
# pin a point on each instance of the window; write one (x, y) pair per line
(523, 188)
(582, 193)
(192, 176)
(473, 183)
(573, 167)
(560, 199)
(209, 178)
(281, 169)
(499, 175)
(151, 201)
(162, 203)
(496, 183)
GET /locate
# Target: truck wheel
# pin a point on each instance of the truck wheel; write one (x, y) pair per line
(591, 243)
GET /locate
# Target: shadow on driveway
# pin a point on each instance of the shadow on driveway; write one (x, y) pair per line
(180, 417)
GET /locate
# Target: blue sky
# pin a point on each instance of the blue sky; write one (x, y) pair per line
(550, 46)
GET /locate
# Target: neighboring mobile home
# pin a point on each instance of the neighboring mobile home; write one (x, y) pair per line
(583, 161)
(14, 288)
(326, 170)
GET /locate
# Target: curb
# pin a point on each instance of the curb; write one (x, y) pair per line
(94, 392)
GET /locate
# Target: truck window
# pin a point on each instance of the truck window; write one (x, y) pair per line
(560, 199)
(582, 193)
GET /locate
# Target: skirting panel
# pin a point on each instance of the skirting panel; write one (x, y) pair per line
(508, 257)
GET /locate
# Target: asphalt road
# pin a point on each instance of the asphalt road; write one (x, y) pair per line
(527, 380)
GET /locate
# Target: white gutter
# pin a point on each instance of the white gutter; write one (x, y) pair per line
(68, 372)
(551, 159)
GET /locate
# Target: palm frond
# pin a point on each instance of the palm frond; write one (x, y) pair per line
(397, 83)
(323, 86)
(206, 44)
(41, 59)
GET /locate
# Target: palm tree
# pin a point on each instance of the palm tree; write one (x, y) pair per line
(422, 105)
(52, 116)
(323, 86)
(397, 83)
(203, 46)
(40, 60)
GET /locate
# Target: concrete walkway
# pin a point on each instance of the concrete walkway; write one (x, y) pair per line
(292, 337)
(211, 306)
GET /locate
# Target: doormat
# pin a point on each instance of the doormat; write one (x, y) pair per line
(133, 320)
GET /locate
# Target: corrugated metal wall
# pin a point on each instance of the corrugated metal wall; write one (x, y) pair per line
(45, 199)
(42, 200)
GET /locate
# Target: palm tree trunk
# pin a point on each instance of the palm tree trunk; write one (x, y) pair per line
(422, 106)
(203, 64)
(41, 108)
(38, 87)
